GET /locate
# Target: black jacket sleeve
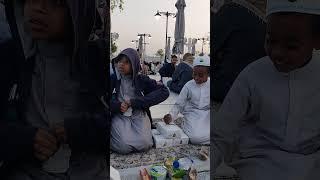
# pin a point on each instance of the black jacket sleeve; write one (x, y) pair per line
(16, 137)
(89, 130)
(154, 93)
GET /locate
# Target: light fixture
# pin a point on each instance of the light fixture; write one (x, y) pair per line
(157, 15)
(149, 36)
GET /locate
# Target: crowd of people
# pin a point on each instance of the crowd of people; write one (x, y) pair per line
(134, 93)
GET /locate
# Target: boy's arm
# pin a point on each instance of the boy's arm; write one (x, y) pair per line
(115, 104)
(16, 142)
(180, 103)
(89, 131)
(155, 93)
(16, 138)
(226, 123)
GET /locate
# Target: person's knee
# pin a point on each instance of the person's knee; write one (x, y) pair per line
(194, 139)
(146, 144)
(120, 146)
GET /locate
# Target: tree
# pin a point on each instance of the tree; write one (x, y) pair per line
(160, 53)
(116, 4)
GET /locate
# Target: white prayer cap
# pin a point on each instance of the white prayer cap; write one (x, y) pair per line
(299, 6)
(201, 61)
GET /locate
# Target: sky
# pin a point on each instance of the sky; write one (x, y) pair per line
(138, 17)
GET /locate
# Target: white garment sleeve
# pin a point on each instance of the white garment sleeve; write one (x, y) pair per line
(226, 122)
(180, 103)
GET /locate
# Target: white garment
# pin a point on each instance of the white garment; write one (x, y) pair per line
(272, 120)
(194, 103)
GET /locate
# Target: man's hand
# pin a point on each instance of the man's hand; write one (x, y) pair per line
(45, 145)
(124, 107)
(167, 118)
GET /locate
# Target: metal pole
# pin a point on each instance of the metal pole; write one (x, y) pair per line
(144, 47)
(165, 55)
(202, 46)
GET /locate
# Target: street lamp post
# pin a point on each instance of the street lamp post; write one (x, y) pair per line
(167, 14)
(135, 41)
(144, 42)
(203, 41)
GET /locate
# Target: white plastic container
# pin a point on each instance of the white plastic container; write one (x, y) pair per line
(162, 142)
(169, 130)
(181, 141)
(114, 174)
(158, 172)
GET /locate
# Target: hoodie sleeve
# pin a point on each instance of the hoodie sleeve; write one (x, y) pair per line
(16, 138)
(155, 93)
(16, 141)
(115, 104)
(88, 131)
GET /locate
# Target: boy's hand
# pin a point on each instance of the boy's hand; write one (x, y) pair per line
(60, 134)
(167, 118)
(45, 145)
(124, 107)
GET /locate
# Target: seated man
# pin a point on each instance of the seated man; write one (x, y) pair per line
(167, 69)
(182, 74)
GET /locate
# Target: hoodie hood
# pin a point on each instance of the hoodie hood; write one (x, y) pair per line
(134, 59)
(83, 15)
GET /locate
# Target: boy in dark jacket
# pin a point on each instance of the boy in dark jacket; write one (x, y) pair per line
(133, 94)
(56, 94)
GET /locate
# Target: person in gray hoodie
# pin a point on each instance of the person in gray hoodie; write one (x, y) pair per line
(132, 96)
(56, 94)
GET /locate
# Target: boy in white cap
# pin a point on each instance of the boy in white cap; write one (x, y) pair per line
(194, 104)
(271, 115)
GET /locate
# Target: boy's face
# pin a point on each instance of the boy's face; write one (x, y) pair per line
(289, 40)
(46, 19)
(174, 60)
(124, 66)
(200, 74)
